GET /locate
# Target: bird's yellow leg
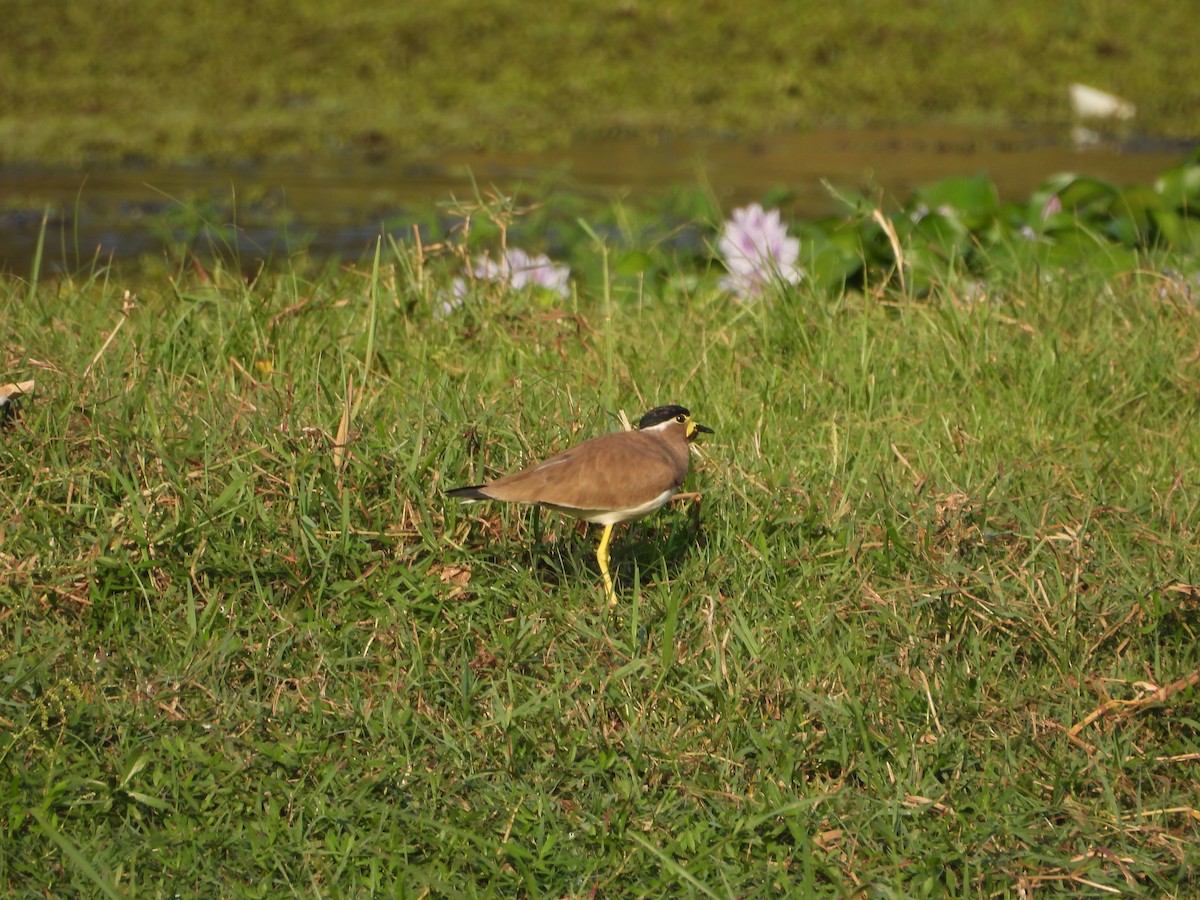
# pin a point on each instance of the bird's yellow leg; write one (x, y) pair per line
(602, 558)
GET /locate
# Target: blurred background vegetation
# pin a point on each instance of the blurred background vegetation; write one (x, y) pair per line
(216, 80)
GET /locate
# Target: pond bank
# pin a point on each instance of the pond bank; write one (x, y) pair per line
(337, 206)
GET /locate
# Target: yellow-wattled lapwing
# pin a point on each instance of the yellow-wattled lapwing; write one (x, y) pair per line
(608, 479)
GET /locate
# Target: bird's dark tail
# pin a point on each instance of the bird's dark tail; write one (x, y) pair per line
(473, 492)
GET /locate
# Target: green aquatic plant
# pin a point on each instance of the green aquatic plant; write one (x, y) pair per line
(959, 227)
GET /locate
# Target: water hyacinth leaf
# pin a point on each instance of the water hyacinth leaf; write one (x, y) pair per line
(944, 232)
(1140, 200)
(924, 267)
(1088, 197)
(933, 247)
(1132, 224)
(830, 271)
(991, 233)
(1126, 230)
(1009, 218)
(845, 241)
(847, 237)
(973, 199)
(1190, 238)
(1180, 187)
(1064, 201)
(829, 260)
(1081, 249)
(1076, 249)
(1056, 223)
(1170, 228)
(1046, 198)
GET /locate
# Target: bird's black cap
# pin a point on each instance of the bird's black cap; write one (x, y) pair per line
(661, 414)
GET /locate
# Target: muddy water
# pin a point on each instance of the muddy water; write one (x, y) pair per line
(337, 207)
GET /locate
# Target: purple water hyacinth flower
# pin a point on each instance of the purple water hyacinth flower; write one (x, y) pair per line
(515, 269)
(758, 252)
(518, 270)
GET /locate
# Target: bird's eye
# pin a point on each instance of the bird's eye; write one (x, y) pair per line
(681, 419)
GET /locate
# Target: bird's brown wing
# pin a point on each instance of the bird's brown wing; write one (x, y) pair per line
(614, 471)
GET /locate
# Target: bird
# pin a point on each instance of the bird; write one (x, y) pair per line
(606, 480)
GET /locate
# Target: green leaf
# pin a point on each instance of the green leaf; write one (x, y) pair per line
(972, 199)
(635, 262)
(1083, 199)
(1180, 187)
(1088, 196)
(829, 261)
(1170, 226)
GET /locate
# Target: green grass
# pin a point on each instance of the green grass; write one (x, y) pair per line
(305, 79)
(935, 536)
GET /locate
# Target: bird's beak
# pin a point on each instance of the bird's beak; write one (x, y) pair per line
(697, 428)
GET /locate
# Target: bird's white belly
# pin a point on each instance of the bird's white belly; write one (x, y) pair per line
(612, 517)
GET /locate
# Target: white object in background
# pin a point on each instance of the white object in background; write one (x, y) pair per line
(1093, 103)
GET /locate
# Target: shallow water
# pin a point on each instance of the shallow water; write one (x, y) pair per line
(337, 207)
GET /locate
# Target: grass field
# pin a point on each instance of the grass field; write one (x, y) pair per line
(931, 629)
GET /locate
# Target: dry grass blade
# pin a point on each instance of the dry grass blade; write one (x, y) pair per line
(890, 230)
(128, 302)
(343, 432)
(1129, 707)
(916, 801)
(1187, 811)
